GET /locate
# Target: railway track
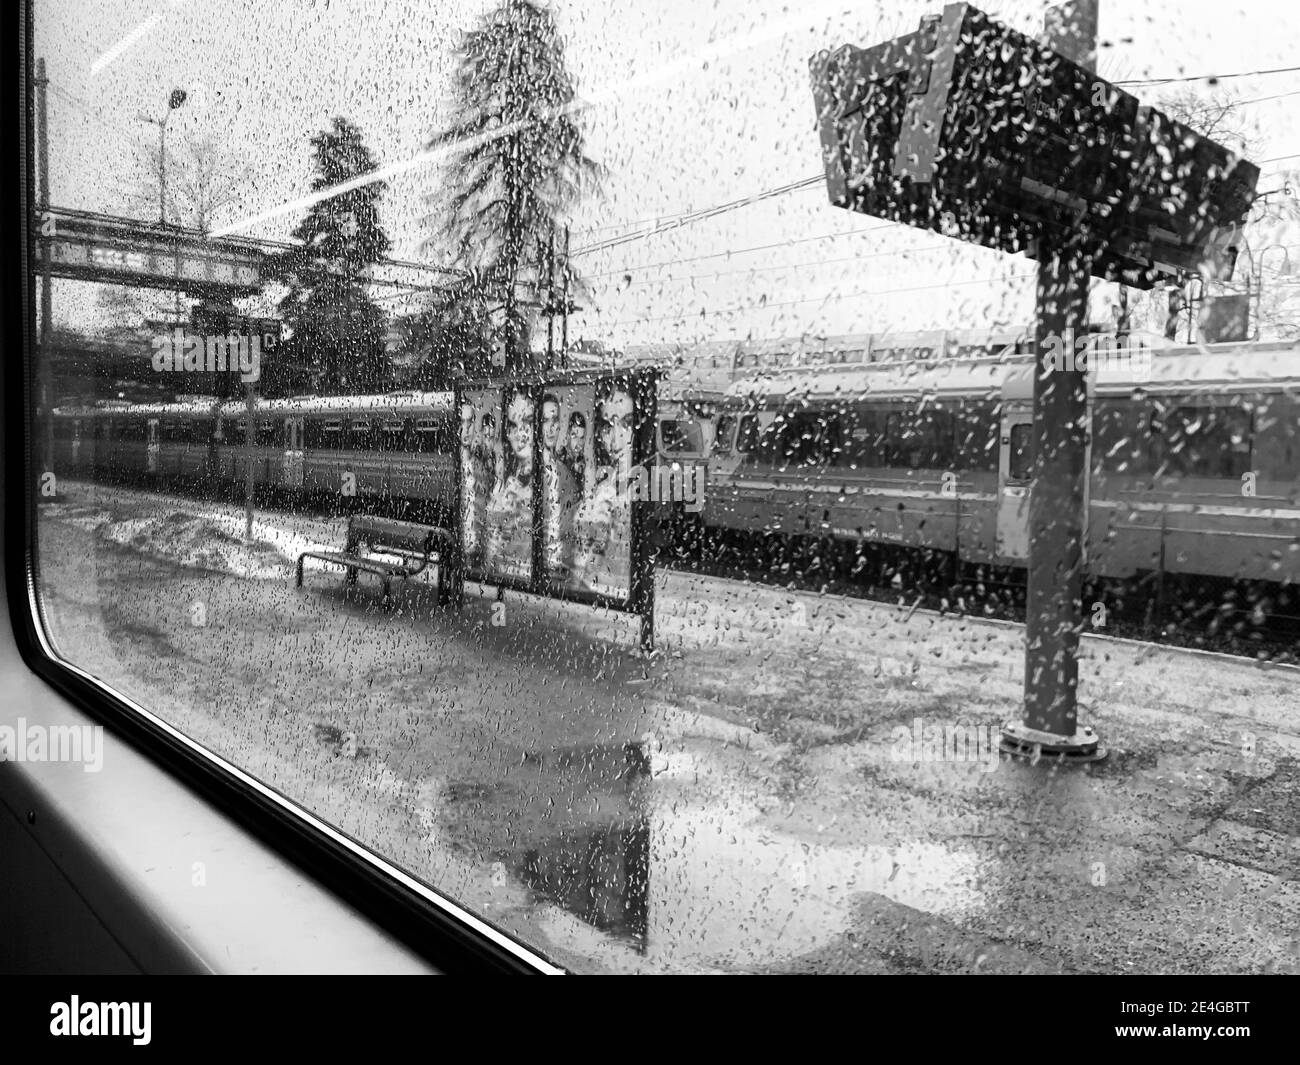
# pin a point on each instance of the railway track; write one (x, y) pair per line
(1180, 618)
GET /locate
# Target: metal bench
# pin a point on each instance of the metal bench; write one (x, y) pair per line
(417, 544)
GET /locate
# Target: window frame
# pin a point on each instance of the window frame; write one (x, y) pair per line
(421, 919)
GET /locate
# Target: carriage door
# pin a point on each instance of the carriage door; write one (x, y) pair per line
(1015, 482)
(151, 447)
(293, 460)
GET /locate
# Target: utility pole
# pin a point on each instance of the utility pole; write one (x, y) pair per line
(250, 436)
(550, 300)
(44, 386)
(1057, 507)
(564, 322)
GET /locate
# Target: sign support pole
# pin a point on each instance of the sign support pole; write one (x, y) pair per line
(1058, 496)
(1054, 603)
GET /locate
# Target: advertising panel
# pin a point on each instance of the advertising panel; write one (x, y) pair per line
(549, 485)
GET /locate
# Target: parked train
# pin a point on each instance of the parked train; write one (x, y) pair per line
(1194, 460)
(398, 446)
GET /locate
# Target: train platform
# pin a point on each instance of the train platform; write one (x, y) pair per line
(791, 783)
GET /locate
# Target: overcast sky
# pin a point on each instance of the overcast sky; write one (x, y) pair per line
(694, 104)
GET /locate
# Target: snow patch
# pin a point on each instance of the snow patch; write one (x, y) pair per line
(211, 541)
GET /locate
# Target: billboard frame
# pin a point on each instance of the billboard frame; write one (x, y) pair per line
(642, 384)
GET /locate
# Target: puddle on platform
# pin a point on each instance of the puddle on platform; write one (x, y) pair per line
(715, 887)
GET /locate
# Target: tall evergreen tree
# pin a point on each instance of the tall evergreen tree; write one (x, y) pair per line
(449, 342)
(508, 193)
(338, 341)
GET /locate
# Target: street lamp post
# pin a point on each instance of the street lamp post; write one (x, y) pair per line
(175, 100)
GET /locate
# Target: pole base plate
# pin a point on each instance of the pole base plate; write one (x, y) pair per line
(1021, 741)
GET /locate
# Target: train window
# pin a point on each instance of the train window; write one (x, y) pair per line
(361, 435)
(864, 438)
(919, 439)
(977, 437)
(410, 440)
(680, 436)
(749, 434)
(800, 440)
(134, 429)
(723, 432)
(1021, 465)
(270, 433)
(1206, 442)
(430, 436)
(1120, 438)
(390, 435)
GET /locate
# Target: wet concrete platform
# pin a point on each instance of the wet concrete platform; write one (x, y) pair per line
(793, 783)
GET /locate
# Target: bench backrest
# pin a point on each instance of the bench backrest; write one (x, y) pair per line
(388, 532)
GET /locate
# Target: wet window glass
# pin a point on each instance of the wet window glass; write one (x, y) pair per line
(647, 396)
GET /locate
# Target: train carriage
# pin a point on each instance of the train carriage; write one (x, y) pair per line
(1194, 458)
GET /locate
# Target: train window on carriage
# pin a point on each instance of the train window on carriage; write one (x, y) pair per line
(918, 439)
(723, 431)
(1119, 441)
(749, 434)
(862, 438)
(426, 436)
(361, 434)
(1212, 442)
(976, 431)
(681, 436)
(408, 439)
(896, 427)
(1021, 464)
(270, 433)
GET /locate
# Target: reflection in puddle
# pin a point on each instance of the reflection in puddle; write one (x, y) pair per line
(602, 877)
(717, 887)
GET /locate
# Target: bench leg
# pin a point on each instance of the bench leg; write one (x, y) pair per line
(298, 575)
(388, 592)
(350, 576)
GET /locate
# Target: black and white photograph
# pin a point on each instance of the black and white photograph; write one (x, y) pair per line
(745, 488)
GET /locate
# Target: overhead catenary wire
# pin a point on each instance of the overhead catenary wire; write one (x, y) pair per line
(1207, 77)
(700, 215)
(823, 299)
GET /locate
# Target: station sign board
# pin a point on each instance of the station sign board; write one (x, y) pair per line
(971, 129)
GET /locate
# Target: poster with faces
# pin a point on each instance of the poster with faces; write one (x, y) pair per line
(569, 446)
(496, 463)
(587, 436)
